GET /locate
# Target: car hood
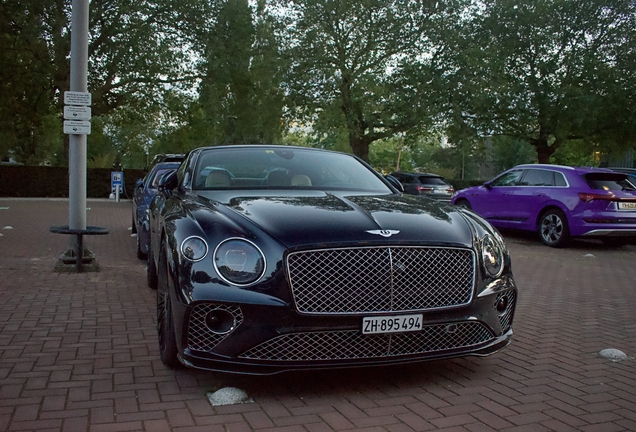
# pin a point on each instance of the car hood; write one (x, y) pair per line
(330, 218)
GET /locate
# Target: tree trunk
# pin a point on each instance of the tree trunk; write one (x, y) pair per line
(544, 151)
(359, 145)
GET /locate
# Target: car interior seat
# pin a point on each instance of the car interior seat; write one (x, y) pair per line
(218, 179)
(300, 180)
(278, 178)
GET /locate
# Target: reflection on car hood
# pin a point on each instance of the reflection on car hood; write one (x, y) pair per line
(321, 218)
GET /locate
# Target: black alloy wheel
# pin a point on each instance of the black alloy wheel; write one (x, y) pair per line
(165, 324)
(554, 229)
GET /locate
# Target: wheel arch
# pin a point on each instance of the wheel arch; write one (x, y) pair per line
(551, 206)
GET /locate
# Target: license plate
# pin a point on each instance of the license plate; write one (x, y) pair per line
(391, 324)
(627, 205)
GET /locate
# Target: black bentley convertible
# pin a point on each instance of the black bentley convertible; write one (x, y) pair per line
(273, 258)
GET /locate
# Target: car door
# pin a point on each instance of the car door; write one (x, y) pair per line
(533, 191)
(494, 201)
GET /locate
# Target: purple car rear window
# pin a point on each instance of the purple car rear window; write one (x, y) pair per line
(608, 181)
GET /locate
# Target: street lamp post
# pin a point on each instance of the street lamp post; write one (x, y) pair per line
(75, 257)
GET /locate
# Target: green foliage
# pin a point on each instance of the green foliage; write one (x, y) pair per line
(575, 153)
(355, 59)
(135, 50)
(240, 96)
(509, 152)
(553, 81)
(547, 72)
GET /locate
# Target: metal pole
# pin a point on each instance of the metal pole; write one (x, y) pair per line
(77, 147)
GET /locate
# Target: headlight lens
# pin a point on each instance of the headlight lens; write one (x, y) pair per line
(493, 255)
(239, 262)
(194, 248)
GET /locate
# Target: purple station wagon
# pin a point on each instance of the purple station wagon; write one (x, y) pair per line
(558, 202)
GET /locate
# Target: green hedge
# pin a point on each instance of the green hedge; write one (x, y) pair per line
(52, 182)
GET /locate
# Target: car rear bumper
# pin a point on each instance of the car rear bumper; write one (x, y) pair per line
(609, 232)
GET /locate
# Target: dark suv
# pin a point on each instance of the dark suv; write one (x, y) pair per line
(166, 157)
(424, 184)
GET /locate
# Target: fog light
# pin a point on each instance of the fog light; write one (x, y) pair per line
(220, 321)
(502, 304)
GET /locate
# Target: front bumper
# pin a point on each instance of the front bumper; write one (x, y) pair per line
(265, 339)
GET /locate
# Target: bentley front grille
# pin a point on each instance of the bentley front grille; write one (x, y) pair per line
(200, 337)
(381, 279)
(351, 344)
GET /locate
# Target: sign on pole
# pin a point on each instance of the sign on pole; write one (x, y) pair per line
(116, 179)
(77, 98)
(77, 113)
(73, 127)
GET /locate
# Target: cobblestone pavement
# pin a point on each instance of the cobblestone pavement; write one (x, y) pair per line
(78, 352)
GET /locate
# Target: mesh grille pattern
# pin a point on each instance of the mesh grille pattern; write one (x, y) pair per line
(506, 317)
(351, 344)
(200, 338)
(387, 279)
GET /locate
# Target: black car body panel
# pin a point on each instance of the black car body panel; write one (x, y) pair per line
(332, 258)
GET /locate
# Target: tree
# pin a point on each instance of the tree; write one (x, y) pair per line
(27, 116)
(240, 96)
(357, 63)
(544, 71)
(137, 51)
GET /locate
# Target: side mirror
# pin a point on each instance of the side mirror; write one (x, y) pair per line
(487, 185)
(395, 183)
(139, 183)
(168, 181)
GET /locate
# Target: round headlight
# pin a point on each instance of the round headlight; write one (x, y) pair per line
(493, 255)
(194, 248)
(239, 262)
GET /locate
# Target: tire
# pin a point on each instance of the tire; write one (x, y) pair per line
(140, 254)
(165, 324)
(134, 225)
(553, 229)
(151, 270)
(464, 203)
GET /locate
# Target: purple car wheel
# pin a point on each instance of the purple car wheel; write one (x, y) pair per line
(553, 228)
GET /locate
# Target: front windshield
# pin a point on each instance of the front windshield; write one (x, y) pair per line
(281, 168)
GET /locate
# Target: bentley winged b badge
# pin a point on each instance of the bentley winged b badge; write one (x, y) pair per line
(384, 233)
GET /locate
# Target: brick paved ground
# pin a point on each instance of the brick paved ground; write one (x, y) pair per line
(78, 352)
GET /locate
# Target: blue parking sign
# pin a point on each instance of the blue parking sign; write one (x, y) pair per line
(116, 178)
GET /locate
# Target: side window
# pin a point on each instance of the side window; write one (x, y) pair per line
(511, 178)
(538, 177)
(559, 180)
